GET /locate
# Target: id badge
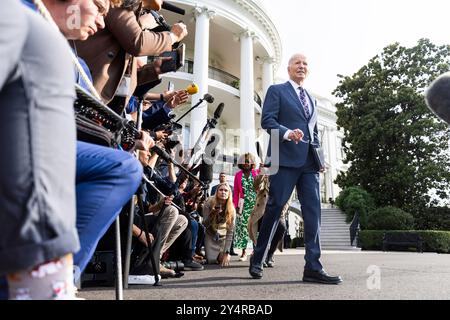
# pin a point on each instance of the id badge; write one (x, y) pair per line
(124, 87)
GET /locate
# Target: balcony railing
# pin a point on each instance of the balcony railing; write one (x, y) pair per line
(219, 75)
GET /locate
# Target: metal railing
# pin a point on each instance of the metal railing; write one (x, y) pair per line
(219, 75)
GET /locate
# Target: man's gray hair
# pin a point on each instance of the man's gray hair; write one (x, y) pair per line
(294, 56)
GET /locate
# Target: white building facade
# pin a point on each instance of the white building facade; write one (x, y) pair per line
(233, 52)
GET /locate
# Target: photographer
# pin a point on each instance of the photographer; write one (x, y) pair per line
(105, 178)
(182, 248)
(164, 222)
(110, 54)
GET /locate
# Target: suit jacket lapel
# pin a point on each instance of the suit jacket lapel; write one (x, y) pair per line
(294, 97)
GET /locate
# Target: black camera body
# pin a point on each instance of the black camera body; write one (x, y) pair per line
(176, 61)
(177, 266)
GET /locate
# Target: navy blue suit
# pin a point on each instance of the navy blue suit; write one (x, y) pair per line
(296, 168)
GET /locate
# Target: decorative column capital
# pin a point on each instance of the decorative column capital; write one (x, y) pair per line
(264, 60)
(268, 60)
(198, 11)
(247, 33)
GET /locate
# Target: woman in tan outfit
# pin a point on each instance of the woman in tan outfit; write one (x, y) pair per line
(261, 186)
(219, 218)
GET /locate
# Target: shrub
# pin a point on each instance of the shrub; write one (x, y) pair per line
(390, 218)
(434, 218)
(433, 241)
(355, 199)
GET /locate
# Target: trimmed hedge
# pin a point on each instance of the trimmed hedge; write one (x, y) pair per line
(434, 218)
(433, 241)
(390, 218)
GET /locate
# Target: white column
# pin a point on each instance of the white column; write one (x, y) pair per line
(331, 160)
(267, 74)
(247, 108)
(201, 58)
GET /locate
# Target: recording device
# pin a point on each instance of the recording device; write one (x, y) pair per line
(206, 172)
(437, 97)
(192, 89)
(176, 61)
(97, 123)
(199, 148)
(169, 128)
(217, 114)
(166, 157)
(207, 97)
(170, 86)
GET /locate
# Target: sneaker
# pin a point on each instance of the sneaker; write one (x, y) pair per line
(191, 265)
(142, 279)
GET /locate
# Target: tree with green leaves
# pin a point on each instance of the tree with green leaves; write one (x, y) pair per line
(396, 147)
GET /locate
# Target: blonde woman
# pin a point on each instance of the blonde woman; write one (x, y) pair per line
(219, 219)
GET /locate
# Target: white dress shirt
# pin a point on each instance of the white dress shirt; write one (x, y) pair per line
(296, 86)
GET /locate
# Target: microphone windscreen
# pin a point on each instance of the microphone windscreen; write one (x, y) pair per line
(206, 172)
(219, 111)
(192, 89)
(437, 97)
(162, 154)
(208, 98)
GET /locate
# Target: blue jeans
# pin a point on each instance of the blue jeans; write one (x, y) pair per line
(3, 288)
(106, 179)
(194, 229)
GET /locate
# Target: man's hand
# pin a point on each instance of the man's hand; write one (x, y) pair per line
(145, 142)
(179, 31)
(180, 97)
(168, 200)
(143, 239)
(161, 135)
(296, 135)
(157, 63)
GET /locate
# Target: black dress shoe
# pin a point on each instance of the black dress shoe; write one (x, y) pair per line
(255, 271)
(320, 277)
(269, 262)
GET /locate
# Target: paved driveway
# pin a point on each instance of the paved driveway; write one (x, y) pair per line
(367, 275)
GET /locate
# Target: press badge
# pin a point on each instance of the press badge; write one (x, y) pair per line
(124, 86)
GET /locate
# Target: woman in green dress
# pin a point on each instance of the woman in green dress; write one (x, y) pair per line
(244, 198)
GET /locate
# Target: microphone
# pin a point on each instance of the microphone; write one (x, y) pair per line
(208, 98)
(192, 89)
(170, 7)
(219, 111)
(166, 157)
(162, 154)
(437, 97)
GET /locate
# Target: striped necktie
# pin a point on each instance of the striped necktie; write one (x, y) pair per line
(304, 101)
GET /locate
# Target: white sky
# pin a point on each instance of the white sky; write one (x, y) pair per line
(340, 36)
